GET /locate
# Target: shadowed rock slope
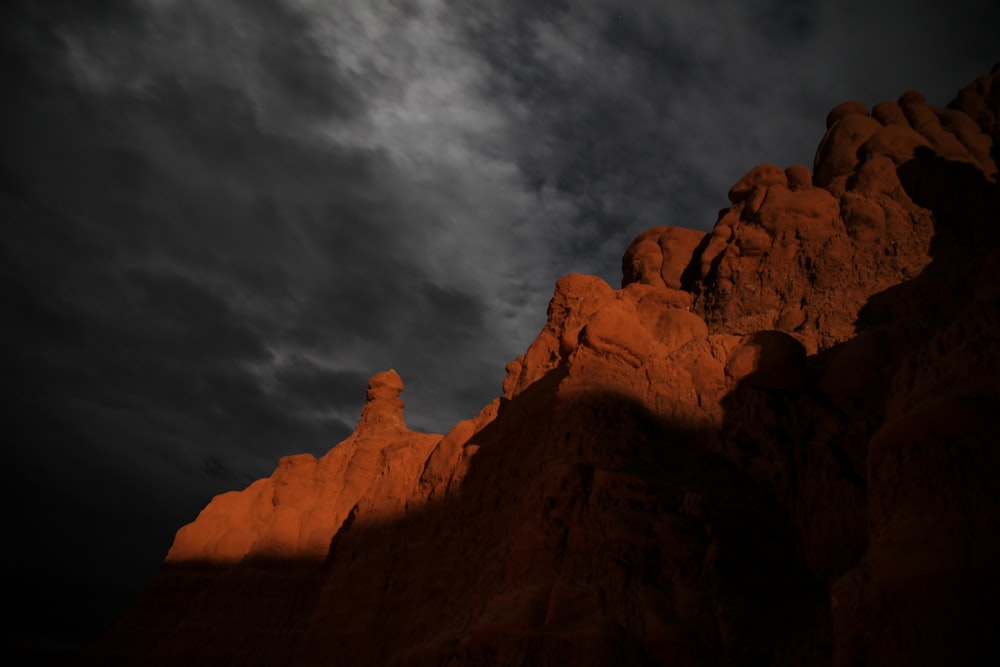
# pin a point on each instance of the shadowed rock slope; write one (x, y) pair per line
(776, 444)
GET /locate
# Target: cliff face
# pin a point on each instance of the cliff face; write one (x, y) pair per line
(775, 444)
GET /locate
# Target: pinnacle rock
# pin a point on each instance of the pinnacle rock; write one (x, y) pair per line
(383, 409)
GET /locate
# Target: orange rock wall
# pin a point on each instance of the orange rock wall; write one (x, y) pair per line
(774, 444)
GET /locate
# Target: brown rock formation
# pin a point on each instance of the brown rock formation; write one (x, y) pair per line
(775, 444)
(294, 512)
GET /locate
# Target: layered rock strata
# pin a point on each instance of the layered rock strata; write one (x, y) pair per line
(774, 444)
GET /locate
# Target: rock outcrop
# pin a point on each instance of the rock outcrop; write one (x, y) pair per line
(774, 444)
(294, 512)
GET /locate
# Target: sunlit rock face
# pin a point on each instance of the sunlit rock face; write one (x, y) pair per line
(774, 444)
(294, 512)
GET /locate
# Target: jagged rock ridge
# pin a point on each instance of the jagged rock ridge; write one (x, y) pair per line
(775, 444)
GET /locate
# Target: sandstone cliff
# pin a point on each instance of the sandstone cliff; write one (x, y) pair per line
(774, 444)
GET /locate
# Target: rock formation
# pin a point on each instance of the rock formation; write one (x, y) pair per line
(774, 444)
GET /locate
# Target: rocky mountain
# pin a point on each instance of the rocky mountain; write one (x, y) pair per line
(775, 444)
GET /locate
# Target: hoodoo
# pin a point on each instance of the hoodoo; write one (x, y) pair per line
(775, 444)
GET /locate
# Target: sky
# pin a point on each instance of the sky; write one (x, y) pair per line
(221, 218)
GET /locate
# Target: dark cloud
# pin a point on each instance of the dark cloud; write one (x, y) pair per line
(309, 384)
(221, 218)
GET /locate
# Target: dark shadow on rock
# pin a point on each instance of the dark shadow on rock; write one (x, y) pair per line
(593, 532)
(966, 208)
(884, 462)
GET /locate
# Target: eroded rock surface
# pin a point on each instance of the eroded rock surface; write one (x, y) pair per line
(774, 444)
(295, 512)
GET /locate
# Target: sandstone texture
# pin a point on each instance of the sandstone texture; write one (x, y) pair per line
(775, 444)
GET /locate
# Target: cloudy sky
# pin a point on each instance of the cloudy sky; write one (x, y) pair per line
(220, 218)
